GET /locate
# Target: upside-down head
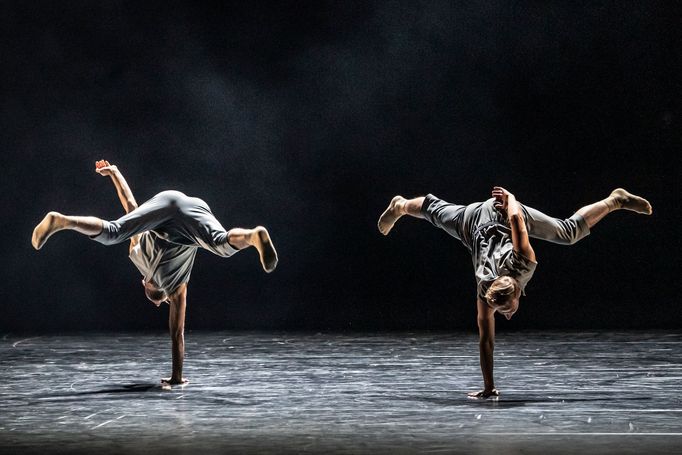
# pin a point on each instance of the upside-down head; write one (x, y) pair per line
(503, 296)
(156, 295)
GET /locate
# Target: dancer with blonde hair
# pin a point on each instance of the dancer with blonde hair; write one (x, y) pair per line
(497, 234)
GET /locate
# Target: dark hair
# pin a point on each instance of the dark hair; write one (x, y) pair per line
(153, 293)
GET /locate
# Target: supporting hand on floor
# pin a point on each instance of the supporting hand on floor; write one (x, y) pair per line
(484, 394)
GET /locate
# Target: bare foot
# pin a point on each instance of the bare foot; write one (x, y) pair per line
(266, 250)
(391, 215)
(52, 223)
(631, 202)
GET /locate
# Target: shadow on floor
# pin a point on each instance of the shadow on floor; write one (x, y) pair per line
(122, 389)
(125, 388)
(512, 402)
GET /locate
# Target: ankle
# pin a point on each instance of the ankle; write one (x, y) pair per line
(59, 221)
(400, 207)
(613, 203)
(239, 238)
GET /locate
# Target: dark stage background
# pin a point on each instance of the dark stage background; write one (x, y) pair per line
(308, 118)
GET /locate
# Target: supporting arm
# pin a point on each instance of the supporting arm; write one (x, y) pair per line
(176, 325)
(486, 343)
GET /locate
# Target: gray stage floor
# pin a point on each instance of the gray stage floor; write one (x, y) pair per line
(388, 393)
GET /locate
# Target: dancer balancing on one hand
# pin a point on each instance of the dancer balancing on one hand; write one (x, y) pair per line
(496, 233)
(165, 233)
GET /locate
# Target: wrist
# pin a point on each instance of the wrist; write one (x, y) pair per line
(513, 209)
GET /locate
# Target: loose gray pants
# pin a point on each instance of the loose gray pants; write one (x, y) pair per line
(461, 221)
(174, 217)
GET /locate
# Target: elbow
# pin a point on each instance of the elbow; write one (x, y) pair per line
(517, 219)
(518, 224)
(178, 335)
(486, 341)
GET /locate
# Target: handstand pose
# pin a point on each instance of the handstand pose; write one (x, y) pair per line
(496, 233)
(165, 233)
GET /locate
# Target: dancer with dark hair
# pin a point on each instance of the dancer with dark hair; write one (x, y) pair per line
(165, 233)
(496, 233)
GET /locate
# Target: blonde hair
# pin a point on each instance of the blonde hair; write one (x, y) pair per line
(502, 290)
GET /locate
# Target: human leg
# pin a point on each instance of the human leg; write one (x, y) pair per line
(158, 212)
(562, 231)
(619, 199)
(571, 230)
(442, 214)
(397, 208)
(258, 238)
(196, 225)
(147, 216)
(55, 221)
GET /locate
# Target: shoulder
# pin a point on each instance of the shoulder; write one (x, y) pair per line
(521, 264)
(484, 311)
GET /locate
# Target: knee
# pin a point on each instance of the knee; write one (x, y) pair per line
(109, 234)
(236, 238)
(569, 232)
(571, 239)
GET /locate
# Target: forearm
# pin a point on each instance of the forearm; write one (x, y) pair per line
(486, 334)
(518, 228)
(176, 324)
(513, 207)
(486, 347)
(517, 224)
(125, 194)
(178, 348)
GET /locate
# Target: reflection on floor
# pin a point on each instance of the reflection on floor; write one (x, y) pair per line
(382, 393)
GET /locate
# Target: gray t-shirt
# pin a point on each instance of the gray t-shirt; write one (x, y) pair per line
(486, 234)
(493, 256)
(166, 264)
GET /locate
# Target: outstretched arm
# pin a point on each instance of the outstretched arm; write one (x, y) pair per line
(486, 344)
(125, 194)
(506, 201)
(176, 324)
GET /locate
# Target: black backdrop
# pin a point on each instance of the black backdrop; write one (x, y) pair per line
(308, 118)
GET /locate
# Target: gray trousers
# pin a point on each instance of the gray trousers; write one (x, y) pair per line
(461, 221)
(174, 217)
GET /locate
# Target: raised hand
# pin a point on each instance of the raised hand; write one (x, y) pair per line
(501, 198)
(103, 167)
